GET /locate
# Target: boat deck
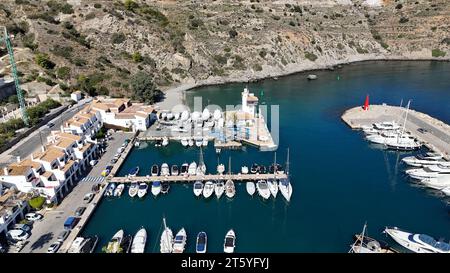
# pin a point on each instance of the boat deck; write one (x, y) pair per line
(193, 178)
(437, 137)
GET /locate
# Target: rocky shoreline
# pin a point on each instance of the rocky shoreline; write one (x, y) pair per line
(174, 95)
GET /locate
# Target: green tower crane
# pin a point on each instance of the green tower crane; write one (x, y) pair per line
(23, 109)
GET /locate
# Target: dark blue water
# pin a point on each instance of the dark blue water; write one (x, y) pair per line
(339, 181)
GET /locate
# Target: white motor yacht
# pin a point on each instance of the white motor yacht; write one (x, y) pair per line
(219, 189)
(191, 142)
(192, 170)
(179, 242)
(206, 114)
(422, 160)
(230, 242)
(114, 245)
(387, 125)
(418, 243)
(250, 186)
(432, 171)
(133, 189)
(184, 142)
(263, 189)
(285, 187)
(244, 170)
(438, 183)
(198, 188)
(208, 189)
(156, 188)
(446, 191)
(165, 141)
(220, 169)
(139, 240)
(119, 189)
(230, 190)
(184, 169)
(165, 171)
(142, 190)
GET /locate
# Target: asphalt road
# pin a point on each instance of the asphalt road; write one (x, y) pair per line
(46, 231)
(31, 143)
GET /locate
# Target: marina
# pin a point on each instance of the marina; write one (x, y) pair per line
(336, 189)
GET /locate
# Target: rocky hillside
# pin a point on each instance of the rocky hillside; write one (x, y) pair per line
(98, 46)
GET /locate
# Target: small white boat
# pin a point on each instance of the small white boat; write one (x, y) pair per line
(285, 187)
(387, 125)
(156, 188)
(273, 187)
(219, 188)
(431, 171)
(208, 189)
(184, 142)
(196, 116)
(165, 186)
(133, 172)
(184, 169)
(250, 186)
(155, 170)
(192, 170)
(423, 160)
(312, 77)
(206, 115)
(446, 191)
(174, 170)
(114, 245)
(119, 189)
(244, 170)
(230, 242)
(165, 171)
(198, 188)
(418, 243)
(177, 115)
(220, 169)
(179, 242)
(142, 191)
(139, 240)
(205, 142)
(136, 144)
(110, 190)
(198, 142)
(230, 190)
(165, 141)
(184, 116)
(191, 142)
(217, 114)
(263, 189)
(166, 244)
(133, 189)
(201, 169)
(438, 183)
(202, 242)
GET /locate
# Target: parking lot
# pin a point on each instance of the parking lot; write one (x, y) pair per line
(46, 231)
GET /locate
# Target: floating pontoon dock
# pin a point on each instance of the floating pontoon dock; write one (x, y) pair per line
(193, 178)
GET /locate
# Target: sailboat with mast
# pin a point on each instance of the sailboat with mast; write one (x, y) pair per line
(284, 184)
(272, 183)
(403, 142)
(230, 190)
(201, 168)
(166, 244)
(365, 244)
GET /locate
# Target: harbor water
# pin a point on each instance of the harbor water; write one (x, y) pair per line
(339, 180)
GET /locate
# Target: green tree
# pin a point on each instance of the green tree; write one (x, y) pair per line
(43, 60)
(13, 99)
(137, 57)
(37, 202)
(130, 5)
(144, 89)
(63, 72)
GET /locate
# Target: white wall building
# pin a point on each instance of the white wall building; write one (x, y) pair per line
(76, 96)
(86, 122)
(121, 113)
(13, 206)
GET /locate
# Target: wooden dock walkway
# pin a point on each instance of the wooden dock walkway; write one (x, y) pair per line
(437, 137)
(193, 178)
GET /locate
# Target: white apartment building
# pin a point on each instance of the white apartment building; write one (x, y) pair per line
(87, 122)
(122, 114)
(13, 207)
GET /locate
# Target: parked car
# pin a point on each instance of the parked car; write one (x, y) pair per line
(113, 161)
(23, 227)
(53, 248)
(80, 211)
(63, 235)
(18, 234)
(50, 124)
(107, 170)
(93, 162)
(120, 150)
(88, 197)
(422, 130)
(33, 216)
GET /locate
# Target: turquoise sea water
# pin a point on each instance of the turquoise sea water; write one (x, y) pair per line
(339, 181)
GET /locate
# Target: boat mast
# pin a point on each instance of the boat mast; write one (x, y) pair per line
(404, 122)
(274, 164)
(287, 162)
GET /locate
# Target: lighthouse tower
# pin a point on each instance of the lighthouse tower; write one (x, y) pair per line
(249, 102)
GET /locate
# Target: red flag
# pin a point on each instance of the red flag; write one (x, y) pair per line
(366, 103)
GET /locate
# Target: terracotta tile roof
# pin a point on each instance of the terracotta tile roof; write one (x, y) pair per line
(18, 170)
(47, 174)
(68, 165)
(64, 143)
(86, 147)
(50, 154)
(68, 136)
(28, 162)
